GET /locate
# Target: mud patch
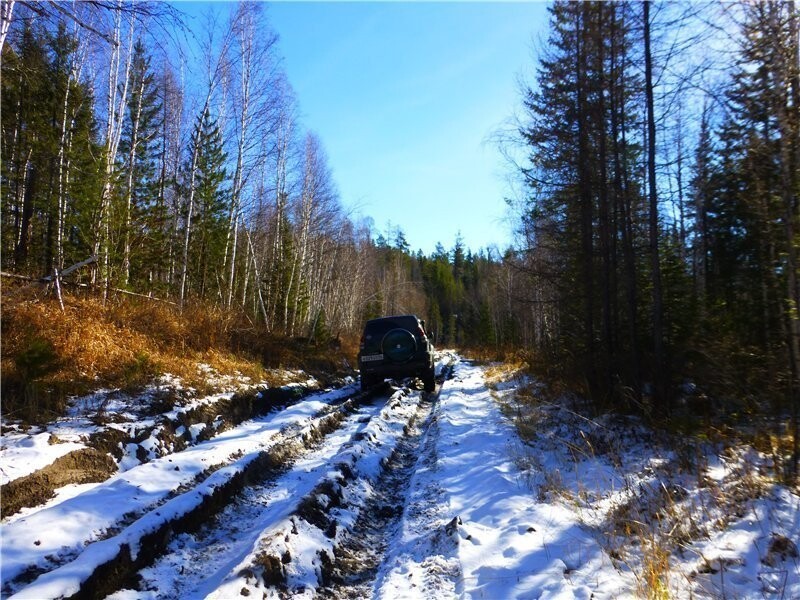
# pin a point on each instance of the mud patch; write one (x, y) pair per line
(359, 552)
(86, 465)
(316, 507)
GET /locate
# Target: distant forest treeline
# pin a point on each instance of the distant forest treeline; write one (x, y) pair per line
(657, 151)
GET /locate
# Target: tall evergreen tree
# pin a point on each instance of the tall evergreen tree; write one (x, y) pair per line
(209, 226)
(48, 150)
(139, 170)
(753, 214)
(585, 194)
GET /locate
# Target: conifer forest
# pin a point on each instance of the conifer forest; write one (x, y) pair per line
(656, 204)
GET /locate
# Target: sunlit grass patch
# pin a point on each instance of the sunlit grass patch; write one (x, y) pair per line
(123, 344)
(506, 370)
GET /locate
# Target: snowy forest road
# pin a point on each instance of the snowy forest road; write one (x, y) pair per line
(390, 493)
(483, 489)
(227, 519)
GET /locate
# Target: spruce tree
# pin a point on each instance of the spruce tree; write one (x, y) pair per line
(49, 152)
(585, 202)
(753, 213)
(142, 232)
(209, 227)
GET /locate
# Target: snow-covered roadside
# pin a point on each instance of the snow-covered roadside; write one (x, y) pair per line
(472, 528)
(63, 529)
(687, 518)
(24, 451)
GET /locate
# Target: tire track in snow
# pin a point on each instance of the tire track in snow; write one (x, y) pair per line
(197, 564)
(103, 566)
(295, 555)
(422, 548)
(359, 557)
(103, 510)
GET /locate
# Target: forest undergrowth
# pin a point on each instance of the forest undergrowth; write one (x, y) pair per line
(652, 489)
(49, 354)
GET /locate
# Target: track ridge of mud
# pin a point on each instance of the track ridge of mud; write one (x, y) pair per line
(352, 508)
(294, 554)
(211, 497)
(100, 460)
(242, 542)
(358, 554)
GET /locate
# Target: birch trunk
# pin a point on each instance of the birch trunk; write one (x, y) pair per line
(116, 102)
(190, 205)
(126, 253)
(246, 50)
(6, 11)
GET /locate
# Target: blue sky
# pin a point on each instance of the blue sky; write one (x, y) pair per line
(404, 96)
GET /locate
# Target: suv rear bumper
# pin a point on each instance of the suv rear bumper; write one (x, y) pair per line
(409, 369)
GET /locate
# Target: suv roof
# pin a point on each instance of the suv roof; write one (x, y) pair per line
(384, 324)
(405, 319)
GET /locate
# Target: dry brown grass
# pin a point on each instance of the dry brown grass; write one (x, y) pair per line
(655, 569)
(492, 354)
(125, 343)
(97, 342)
(514, 366)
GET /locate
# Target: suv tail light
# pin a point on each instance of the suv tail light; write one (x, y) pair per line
(361, 343)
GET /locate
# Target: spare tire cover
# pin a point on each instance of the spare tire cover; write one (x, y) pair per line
(398, 345)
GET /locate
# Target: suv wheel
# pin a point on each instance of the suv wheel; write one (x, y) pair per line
(367, 382)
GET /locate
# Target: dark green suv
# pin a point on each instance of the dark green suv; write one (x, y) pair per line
(396, 347)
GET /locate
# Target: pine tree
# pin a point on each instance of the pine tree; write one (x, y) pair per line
(49, 152)
(585, 195)
(753, 213)
(28, 144)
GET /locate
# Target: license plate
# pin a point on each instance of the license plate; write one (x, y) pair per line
(371, 357)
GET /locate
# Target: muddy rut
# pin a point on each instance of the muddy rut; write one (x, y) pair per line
(339, 479)
(262, 540)
(152, 532)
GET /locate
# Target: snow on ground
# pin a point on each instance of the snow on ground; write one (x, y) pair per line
(364, 454)
(684, 517)
(473, 529)
(512, 496)
(23, 453)
(239, 531)
(752, 553)
(63, 528)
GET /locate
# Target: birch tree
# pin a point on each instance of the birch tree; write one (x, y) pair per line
(140, 163)
(215, 58)
(68, 115)
(252, 96)
(118, 77)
